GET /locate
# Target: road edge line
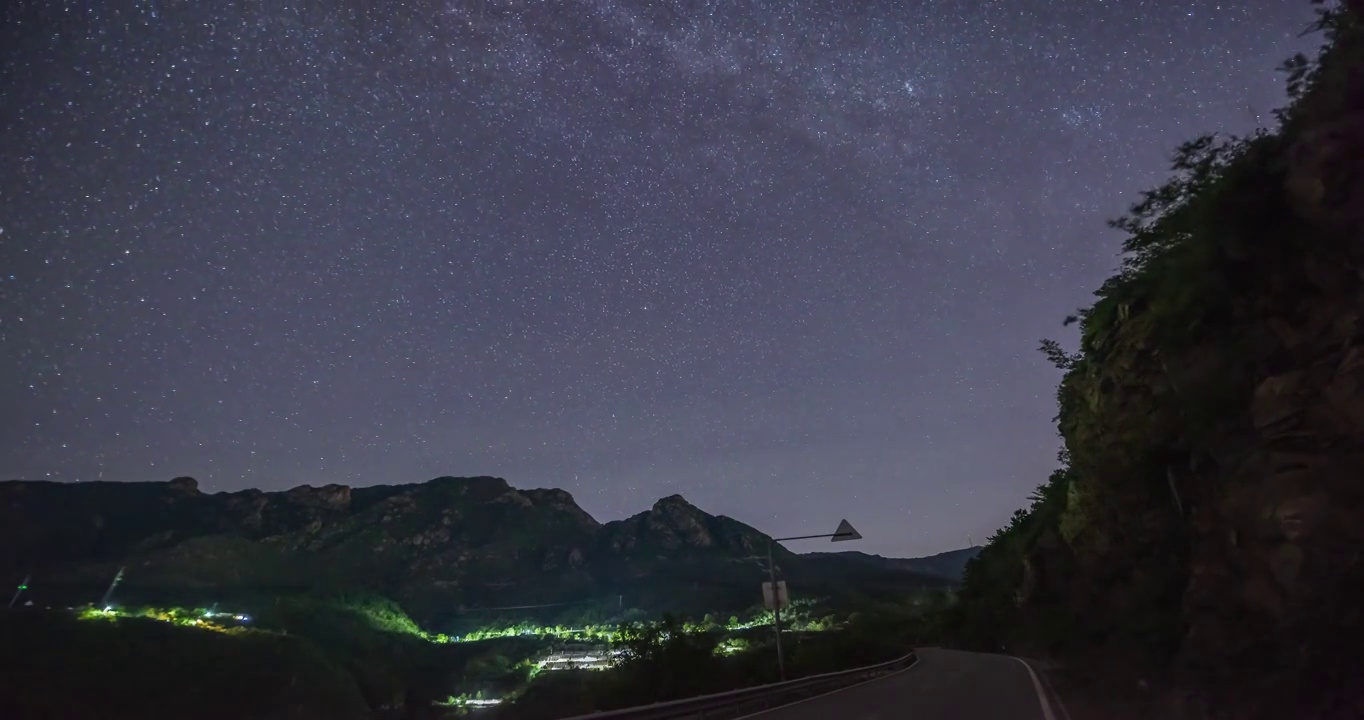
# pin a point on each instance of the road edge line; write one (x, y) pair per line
(1037, 686)
(833, 692)
(1060, 704)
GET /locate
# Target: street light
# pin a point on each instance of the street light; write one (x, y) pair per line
(845, 531)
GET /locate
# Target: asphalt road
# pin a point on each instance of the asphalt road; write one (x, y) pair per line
(942, 685)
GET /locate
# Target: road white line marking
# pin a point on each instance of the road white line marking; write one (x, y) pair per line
(1060, 704)
(834, 692)
(1041, 694)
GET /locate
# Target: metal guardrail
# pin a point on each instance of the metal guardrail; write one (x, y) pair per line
(746, 701)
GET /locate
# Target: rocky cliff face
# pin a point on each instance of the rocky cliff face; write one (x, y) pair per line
(1276, 537)
(1277, 531)
(1204, 533)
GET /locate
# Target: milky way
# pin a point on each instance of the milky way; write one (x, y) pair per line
(789, 259)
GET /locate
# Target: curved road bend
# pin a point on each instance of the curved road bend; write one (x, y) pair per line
(943, 684)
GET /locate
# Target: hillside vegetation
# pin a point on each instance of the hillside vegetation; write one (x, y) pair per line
(449, 551)
(59, 666)
(357, 656)
(424, 600)
(1202, 532)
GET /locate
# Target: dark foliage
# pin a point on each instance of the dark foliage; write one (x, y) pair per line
(55, 666)
(1144, 535)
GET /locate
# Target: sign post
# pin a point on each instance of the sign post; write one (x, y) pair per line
(775, 596)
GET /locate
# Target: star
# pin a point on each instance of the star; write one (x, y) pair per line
(790, 261)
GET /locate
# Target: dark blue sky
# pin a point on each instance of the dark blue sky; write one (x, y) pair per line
(790, 262)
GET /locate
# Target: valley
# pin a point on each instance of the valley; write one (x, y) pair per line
(443, 596)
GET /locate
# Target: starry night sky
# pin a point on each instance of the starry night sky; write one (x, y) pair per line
(789, 259)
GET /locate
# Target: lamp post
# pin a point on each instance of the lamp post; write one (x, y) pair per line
(845, 531)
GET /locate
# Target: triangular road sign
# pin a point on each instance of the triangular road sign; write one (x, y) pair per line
(845, 531)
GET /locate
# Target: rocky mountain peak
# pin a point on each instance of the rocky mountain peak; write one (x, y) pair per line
(327, 497)
(560, 501)
(674, 527)
(482, 482)
(185, 485)
(674, 503)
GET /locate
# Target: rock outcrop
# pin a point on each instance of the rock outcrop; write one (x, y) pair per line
(674, 527)
(1275, 566)
(1205, 532)
(327, 497)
